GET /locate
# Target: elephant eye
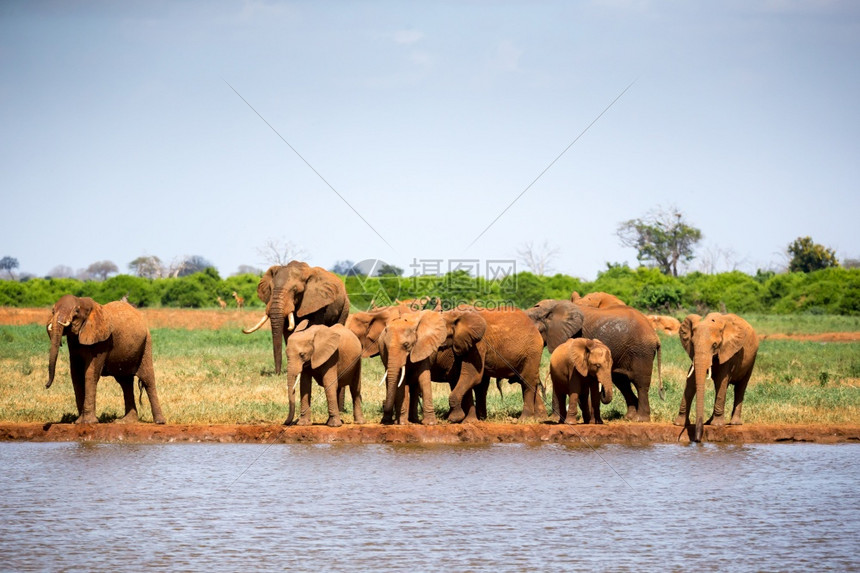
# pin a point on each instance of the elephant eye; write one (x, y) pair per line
(405, 346)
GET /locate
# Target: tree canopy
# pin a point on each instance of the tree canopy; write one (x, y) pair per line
(8, 264)
(661, 238)
(808, 256)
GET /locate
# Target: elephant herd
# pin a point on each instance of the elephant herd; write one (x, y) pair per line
(596, 342)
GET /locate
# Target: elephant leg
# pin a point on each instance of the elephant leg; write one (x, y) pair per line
(92, 373)
(683, 417)
(481, 392)
(585, 406)
(429, 413)
(415, 399)
(127, 385)
(721, 386)
(78, 371)
(642, 381)
(737, 407)
(623, 384)
(533, 406)
(146, 376)
(573, 400)
(341, 399)
(594, 392)
(333, 395)
(460, 400)
(355, 391)
(401, 403)
(559, 402)
(305, 405)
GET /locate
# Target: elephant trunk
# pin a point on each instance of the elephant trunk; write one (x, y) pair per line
(55, 328)
(702, 368)
(395, 371)
(293, 376)
(275, 312)
(605, 380)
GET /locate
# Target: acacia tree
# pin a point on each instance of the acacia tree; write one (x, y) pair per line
(102, 269)
(7, 264)
(147, 266)
(662, 239)
(280, 252)
(807, 256)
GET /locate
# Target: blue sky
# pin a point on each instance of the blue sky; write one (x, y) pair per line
(122, 138)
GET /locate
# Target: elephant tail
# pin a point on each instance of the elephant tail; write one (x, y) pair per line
(659, 369)
(140, 389)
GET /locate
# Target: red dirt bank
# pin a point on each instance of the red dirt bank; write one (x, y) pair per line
(481, 433)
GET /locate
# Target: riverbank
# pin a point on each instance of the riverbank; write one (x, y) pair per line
(480, 433)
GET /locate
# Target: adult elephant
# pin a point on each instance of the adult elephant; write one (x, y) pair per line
(297, 289)
(368, 326)
(509, 346)
(624, 330)
(721, 346)
(110, 340)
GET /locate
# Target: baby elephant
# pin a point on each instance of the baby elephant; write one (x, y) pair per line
(578, 368)
(331, 355)
(110, 340)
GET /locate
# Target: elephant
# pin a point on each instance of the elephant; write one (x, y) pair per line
(331, 355)
(297, 289)
(581, 368)
(668, 324)
(624, 330)
(104, 340)
(368, 326)
(722, 346)
(510, 347)
(406, 345)
(596, 299)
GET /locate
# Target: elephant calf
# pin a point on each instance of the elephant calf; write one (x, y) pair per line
(331, 355)
(110, 340)
(579, 367)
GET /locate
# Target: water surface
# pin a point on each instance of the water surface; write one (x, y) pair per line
(408, 508)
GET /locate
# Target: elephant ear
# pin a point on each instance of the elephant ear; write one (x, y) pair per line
(579, 356)
(264, 287)
(734, 336)
(326, 342)
(321, 290)
(431, 332)
(97, 327)
(469, 328)
(685, 333)
(564, 323)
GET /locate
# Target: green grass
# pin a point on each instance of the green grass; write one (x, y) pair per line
(223, 376)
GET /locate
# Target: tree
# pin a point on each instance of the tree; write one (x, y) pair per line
(537, 259)
(190, 265)
(345, 268)
(7, 264)
(280, 252)
(102, 269)
(662, 239)
(389, 270)
(147, 266)
(248, 270)
(807, 256)
(61, 272)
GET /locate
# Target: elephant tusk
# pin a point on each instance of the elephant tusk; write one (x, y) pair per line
(257, 326)
(384, 376)
(50, 326)
(402, 376)
(64, 324)
(692, 367)
(292, 322)
(600, 387)
(296, 381)
(708, 376)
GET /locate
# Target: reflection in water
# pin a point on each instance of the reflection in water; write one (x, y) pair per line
(499, 508)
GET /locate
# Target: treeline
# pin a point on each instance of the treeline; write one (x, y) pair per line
(828, 291)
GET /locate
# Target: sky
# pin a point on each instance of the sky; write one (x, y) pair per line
(402, 130)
